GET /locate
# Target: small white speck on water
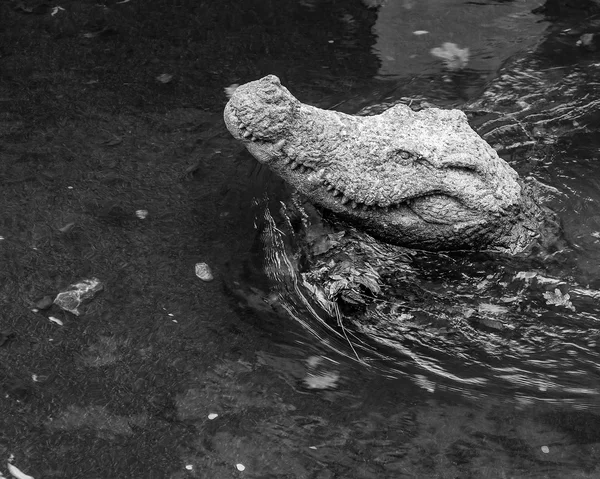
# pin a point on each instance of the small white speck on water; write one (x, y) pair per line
(240, 467)
(213, 415)
(141, 214)
(545, 449)
(189, 467)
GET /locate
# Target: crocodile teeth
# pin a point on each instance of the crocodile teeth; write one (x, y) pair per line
(279, 145)
(345, 200)
(336, 192)
(294, 165)
(330, 187)
(246, 134)
(354, 204)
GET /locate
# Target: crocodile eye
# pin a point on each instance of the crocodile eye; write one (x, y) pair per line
(404, 154)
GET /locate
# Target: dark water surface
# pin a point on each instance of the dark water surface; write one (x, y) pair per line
(487, 367)
(482, 366)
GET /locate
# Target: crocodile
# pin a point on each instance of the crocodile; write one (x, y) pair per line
(422, 179)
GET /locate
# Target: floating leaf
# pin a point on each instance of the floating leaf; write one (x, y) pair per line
(556, 298)
(455, 58)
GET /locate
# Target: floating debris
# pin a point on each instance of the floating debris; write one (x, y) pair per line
(213, 415)
(587, 41)
(56, 320)
(545, 449)
(230, 89)
(558, 299)
(492, 308)
(526, 275)
(240, 467)
(455, 58)
(323, 380)
(204, 272)
(16, 472)
(78, 293)
(314, 361)
(420, 32)
(66, 228)
(164, 78)
(141, 214)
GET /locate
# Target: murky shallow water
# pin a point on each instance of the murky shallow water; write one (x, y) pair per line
(467, 365)
(489, 365)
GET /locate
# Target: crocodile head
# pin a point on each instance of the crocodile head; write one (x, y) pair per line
(422, 179)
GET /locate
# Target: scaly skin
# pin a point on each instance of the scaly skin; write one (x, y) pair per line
(420, 179)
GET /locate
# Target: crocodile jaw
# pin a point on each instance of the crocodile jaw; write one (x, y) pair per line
(295, 140)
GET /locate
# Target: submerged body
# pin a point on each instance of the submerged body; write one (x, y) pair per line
(420, 179)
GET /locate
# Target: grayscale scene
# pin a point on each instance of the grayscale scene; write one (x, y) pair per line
(300, 239)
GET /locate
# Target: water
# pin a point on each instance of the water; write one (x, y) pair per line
(466, 365)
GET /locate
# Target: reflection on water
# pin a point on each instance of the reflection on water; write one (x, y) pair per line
(407, 30)
(452, 364)
(472, 323)
(479, 324)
